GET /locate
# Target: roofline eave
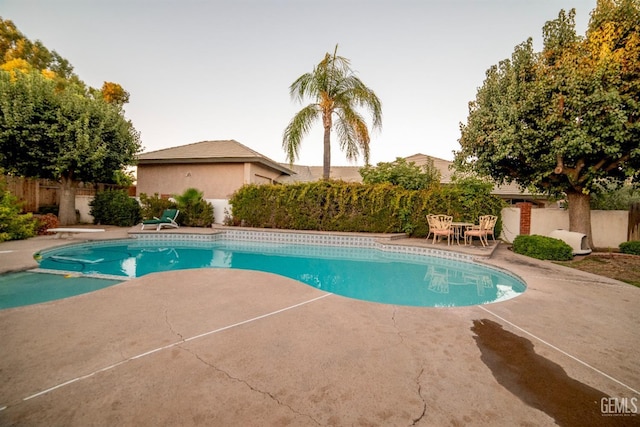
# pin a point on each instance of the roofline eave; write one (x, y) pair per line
(201, 160)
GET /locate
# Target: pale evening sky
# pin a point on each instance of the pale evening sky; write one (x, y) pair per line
(204, 70)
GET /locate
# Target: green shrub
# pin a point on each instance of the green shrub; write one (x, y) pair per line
(632, 247)
(613, 196)
(342, 206)
(115, 207)
(13, 224)
(154, 206)
(402, 173)
(194, 210)
(542, 247)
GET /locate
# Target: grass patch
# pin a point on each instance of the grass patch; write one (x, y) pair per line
(625, 268)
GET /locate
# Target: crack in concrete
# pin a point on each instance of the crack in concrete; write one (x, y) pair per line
(251, 387)
(395, 325)
(424, 401)
(415, 421)
(173, 331)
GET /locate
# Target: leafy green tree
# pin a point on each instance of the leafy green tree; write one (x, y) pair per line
(336, 93)
(400, 172)
(64, 135)
(124, 178)
(563, 120)
(53, 126)
(18, 52)
(14, 45)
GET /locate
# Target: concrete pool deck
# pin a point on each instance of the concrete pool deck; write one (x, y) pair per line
(229, 347)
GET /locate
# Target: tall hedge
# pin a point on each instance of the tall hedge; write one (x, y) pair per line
(341, 206)
(115, 207)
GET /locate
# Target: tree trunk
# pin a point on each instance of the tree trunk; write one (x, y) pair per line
(580, 214)
(326, 164)
(67, 202)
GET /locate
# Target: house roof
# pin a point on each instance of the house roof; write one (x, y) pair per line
(511, 190)
(225, 151)
(444, 166)
(314, 173)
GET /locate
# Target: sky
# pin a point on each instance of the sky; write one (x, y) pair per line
(200, 70)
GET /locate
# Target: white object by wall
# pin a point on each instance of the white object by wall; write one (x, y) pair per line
(577, 241)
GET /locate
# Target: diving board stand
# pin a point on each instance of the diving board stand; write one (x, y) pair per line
(69, 232)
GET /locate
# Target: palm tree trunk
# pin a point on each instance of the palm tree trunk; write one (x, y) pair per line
(326, 164)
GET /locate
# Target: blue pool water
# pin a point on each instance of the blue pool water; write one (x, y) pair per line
(361, 273)
(26, 288)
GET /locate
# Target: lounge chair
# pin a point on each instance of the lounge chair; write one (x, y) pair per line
(440, 225)
(167, 219)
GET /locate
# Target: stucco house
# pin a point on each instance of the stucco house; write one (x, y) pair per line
(219, 168)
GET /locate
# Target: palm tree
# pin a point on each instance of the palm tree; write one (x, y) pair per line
(335, 90)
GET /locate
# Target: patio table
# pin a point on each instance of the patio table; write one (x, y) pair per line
(458, 229)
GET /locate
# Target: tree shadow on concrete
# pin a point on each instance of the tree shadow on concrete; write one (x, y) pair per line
(539, 382)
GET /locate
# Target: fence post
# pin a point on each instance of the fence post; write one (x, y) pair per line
(36, 206)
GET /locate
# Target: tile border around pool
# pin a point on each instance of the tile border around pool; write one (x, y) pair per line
(322, 239)
(309, 238)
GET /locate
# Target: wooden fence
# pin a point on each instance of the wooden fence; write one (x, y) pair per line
(37, 193)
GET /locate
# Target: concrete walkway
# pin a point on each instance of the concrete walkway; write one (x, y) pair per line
(240, 348)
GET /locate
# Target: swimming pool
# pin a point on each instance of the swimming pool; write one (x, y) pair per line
(362, 273)
(26, 288)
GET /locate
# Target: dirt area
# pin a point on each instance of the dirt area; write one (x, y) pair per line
(617, 266)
